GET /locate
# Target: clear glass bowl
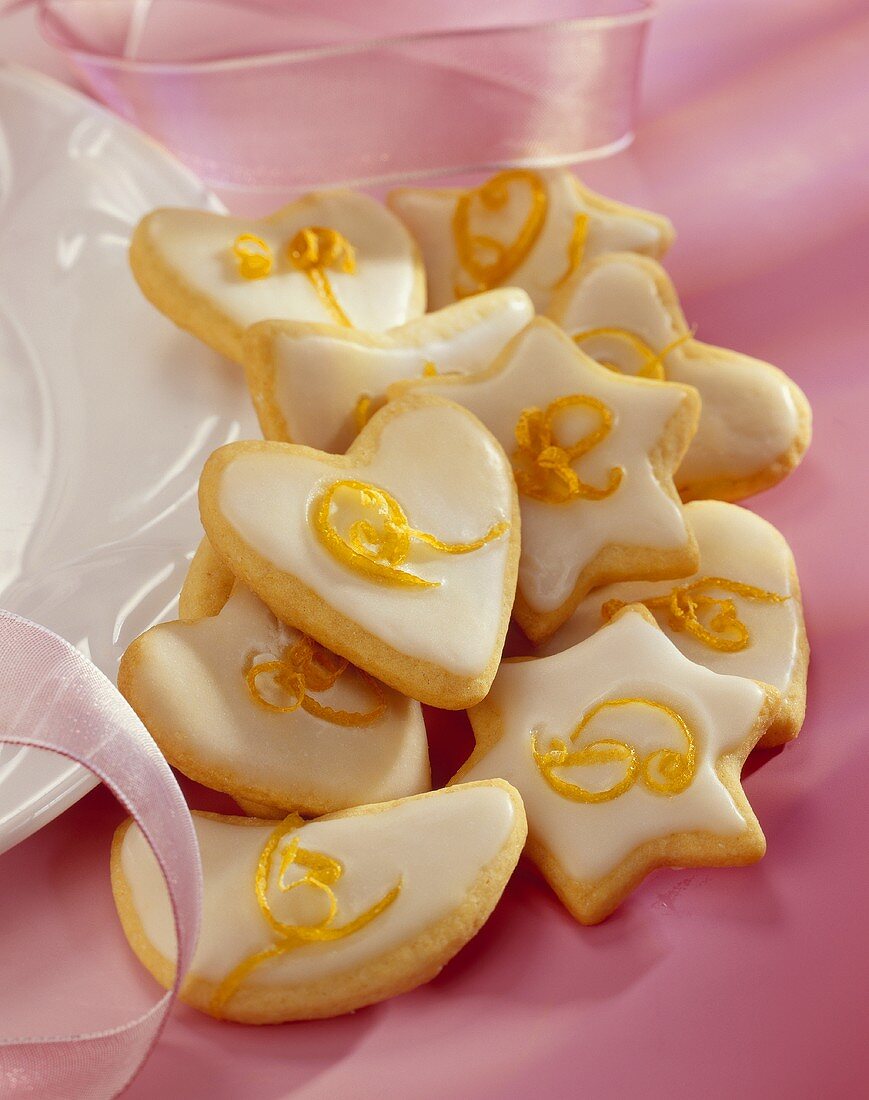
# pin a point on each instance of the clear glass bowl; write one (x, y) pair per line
(252, 95)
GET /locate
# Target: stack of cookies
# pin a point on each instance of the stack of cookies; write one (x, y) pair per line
(549, 443)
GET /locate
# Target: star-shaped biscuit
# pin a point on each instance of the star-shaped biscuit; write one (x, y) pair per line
(755, 423)
(627, 756)
(593, 453)
(519, 228)
(319, 384)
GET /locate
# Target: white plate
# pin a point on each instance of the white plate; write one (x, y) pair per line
(107, 412)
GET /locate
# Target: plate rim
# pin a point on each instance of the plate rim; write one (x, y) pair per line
(73, 782)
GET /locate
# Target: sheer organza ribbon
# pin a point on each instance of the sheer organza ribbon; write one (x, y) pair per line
(52, 697)
(281, 96)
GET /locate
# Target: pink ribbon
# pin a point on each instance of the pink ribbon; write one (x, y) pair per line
(368, 92)
(52, 697)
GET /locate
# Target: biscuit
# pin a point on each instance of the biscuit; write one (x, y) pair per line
(627, 756)
(205, 590)
(755, 423)
(320, 384)
(739, 614)
(400, 556)
(305, 921)
(263, 810)
(207, 585)
(519, 228)
(593, 454)
(332, 257)
(306, 732)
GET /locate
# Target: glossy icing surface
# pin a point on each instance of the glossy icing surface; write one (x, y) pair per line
(429, 216)
(379, 294)
(736, 544)
(560, 539)
(748, 418)
(190, 679)
(549, 697)
(450, 478)
(435, 847)
(319, 379)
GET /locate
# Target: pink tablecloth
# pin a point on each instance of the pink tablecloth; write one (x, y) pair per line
(747, 983)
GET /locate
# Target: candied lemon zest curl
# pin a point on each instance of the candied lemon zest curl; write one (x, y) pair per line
(322, 872)
(652, 361)
(379, 546)
(314, 251)
(254, 256)
(544, 468)
(664, 771)
(575, 248)
(712, 620)
(488, 261)
(307, 667)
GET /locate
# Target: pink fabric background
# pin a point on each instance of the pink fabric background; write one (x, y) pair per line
(752, 982)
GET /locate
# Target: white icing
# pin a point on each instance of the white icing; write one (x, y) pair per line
(629, 659)
(436, 846)
(736, 544)
(452, 480)
(319, 379)
(748, 418)
(379, 295)
(559, 540)
(190, 680)
(428, 213)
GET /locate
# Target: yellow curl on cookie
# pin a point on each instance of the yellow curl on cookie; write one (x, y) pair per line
(314, 251)
(488, 261)
(651, 361)
(305, 668)
(254, 256)
(543, 467)
(322, 872)
(664, 771)
(711, 620)
(379, 542)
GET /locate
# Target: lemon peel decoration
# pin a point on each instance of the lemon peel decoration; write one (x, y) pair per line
(305, 668)
(315, 250)
(664, 771)
(712, 620)
(377, 547)
(544, 468)
(652, 362)
(254, 256)
(322, 873)
(488, 261)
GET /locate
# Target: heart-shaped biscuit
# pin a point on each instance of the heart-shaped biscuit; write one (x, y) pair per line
(331, 257)
(303, 921)
(519, 228)
(739, 613)
(246, 705)
(319, 384)
(755, 422)
(400, 556)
